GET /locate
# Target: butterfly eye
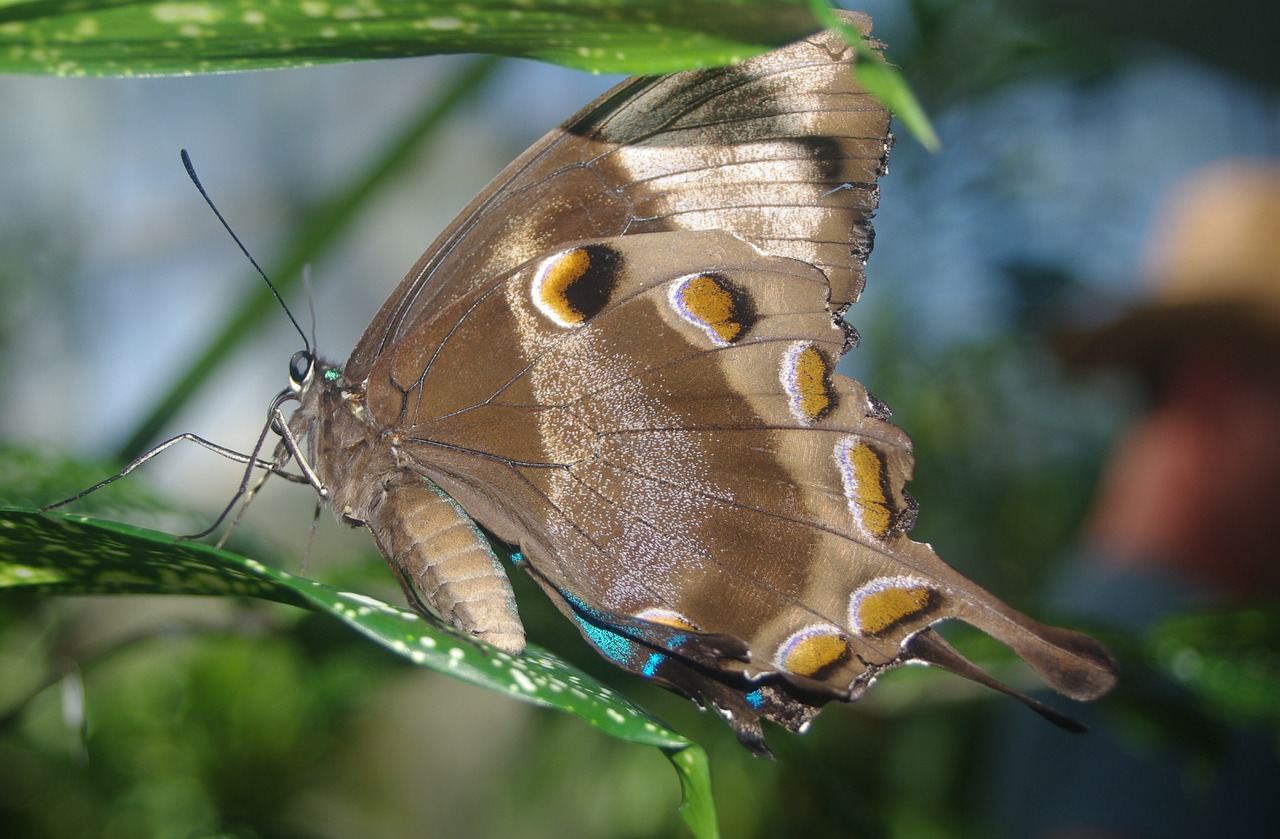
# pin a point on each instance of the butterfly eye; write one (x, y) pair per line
(300, 367)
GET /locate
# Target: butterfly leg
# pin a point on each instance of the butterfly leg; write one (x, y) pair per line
(445, 563)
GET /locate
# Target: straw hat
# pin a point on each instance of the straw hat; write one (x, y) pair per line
(1213, 266)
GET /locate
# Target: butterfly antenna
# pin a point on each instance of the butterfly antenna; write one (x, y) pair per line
(311, 302)
(195, 179)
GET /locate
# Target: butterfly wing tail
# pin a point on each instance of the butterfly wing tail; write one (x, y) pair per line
(1065, 677)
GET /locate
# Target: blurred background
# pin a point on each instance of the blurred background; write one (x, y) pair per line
(1063, 124)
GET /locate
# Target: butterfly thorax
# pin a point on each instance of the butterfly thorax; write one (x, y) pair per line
(341, 444)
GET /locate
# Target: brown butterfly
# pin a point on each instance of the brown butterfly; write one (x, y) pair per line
(620, 361)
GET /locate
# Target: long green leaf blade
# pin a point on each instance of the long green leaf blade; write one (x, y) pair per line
(179, 37)
(58, 554)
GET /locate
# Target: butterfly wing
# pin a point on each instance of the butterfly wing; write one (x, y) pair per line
(621, 359)
(783, 150)
(691, 481)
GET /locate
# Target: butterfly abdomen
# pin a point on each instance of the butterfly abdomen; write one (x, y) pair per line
(446, 562)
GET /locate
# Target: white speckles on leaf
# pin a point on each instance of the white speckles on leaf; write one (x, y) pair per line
(443, 24)
(186, 13)
(368, 604)
(522, 681)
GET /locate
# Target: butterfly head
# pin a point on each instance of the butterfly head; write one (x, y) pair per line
(326, 421)
(310, 375)
(302, 370)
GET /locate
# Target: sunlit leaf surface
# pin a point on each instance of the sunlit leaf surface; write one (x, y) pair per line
(109, 37)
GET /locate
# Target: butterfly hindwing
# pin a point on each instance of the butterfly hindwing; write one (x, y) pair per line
(717, 480)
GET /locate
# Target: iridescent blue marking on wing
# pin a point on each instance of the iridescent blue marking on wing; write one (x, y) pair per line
(623, 646)
(651, 666)
(580, 606)
(613, 646)
(755, 698)
(602, 621)
(617, 648)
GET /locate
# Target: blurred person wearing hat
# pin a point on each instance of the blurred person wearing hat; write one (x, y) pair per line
(1194, 486)
(1187, 516)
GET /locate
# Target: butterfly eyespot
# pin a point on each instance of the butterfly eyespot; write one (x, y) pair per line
(812, 651)
(806, 377)
(865, 480)
(300, 367)
(573, 286)
(886, 602)
(714, 305)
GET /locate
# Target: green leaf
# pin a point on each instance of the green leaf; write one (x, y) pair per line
(58, 554)
(167, 37)
(697, 807)
(182, 37)
(881, 79)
